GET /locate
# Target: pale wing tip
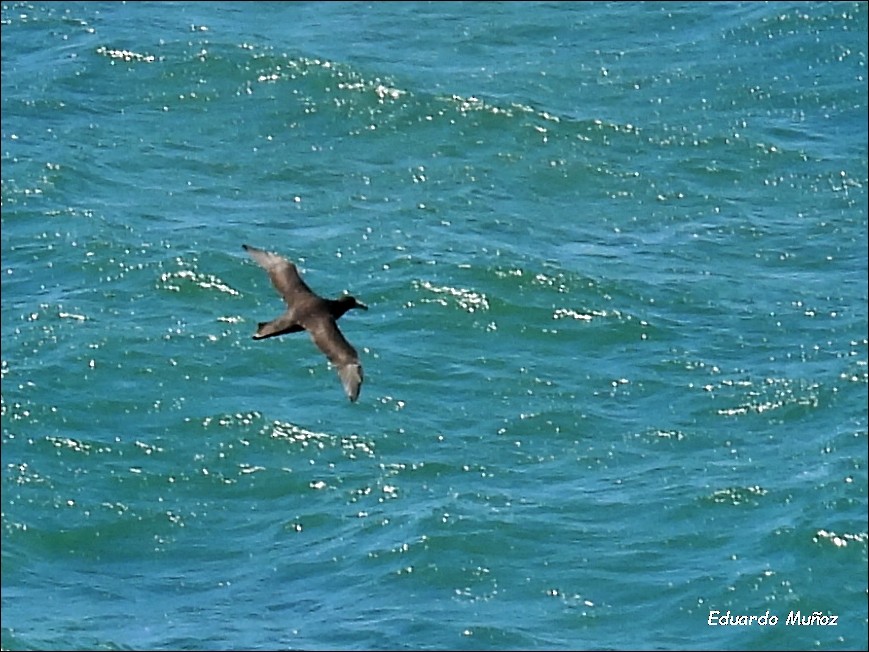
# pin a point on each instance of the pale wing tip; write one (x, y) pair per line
(351, 378)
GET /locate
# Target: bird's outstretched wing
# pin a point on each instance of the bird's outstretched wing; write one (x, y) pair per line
(341, 354)
(284, 275)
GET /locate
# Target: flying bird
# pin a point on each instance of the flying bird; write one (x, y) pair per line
(307, 311)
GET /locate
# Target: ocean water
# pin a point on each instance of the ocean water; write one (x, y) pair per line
(615, 358)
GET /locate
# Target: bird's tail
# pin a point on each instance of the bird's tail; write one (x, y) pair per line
(261, 330)
(272, 328)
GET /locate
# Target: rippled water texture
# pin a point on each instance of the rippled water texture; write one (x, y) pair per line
(615, 358)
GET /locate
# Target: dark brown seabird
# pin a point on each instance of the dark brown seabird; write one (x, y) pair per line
(307, 311)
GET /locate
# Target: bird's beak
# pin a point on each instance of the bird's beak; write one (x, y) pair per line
(359, 304)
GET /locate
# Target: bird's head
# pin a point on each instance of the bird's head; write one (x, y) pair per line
(353, 302)
(348, 302)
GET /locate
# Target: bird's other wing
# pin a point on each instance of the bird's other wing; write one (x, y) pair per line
(284, 275)
(341, 354)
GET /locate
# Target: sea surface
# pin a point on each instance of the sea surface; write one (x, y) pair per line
(615, 360)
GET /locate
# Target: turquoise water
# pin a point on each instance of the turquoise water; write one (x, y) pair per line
(615, 361)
